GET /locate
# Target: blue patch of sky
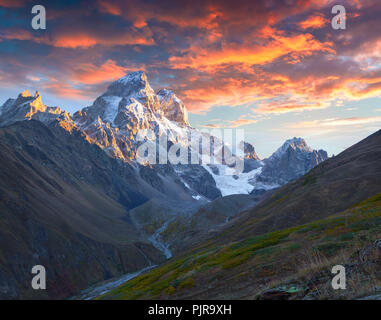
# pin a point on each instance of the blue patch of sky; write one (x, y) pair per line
(272, 130)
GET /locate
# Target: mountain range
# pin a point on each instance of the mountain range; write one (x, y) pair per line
(130, 105)
(74, 198)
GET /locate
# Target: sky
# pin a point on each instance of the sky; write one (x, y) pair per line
(275, 68)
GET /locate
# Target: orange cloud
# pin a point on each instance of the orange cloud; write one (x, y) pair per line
(313, 22)
(91, 74)
(210, 125)
(307, 93)
(207, 59)
(73, 41)
(360, 89)
(84, 40)
(16, 34)
(81, 39)
(290, 106)
(65, 90)
(230, 92)
(110, 8)
(233, 53)
(277, 93)
(241, 122)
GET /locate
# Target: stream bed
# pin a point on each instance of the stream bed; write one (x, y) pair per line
(106, 286)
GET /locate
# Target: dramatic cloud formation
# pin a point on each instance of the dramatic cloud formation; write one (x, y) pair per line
(208, 59)
(277, 56)
(82, 39)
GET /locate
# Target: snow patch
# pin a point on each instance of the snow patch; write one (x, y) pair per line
(112, 108)
(133, 76)
(237, 184)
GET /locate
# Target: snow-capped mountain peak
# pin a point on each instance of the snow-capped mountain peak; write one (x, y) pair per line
(26, 107)
(123, 98)
(293, 159)
(294, 143)
(137, 77)
(128, 106)
(132, 85)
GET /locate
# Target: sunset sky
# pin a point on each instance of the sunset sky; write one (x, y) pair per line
(275, 68)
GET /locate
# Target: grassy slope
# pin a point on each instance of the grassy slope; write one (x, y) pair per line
(298, 260)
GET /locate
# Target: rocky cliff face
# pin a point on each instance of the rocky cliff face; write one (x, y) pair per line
(130, 105)
(249, 151)
(172, 107)
(26, 107)
(293, 159)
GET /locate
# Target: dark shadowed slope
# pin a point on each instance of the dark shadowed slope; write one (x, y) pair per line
(64, 205)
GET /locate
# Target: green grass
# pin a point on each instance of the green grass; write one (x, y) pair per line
(187, 283)
(309, 180)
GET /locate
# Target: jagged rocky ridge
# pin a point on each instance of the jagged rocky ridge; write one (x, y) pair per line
(130, 104)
